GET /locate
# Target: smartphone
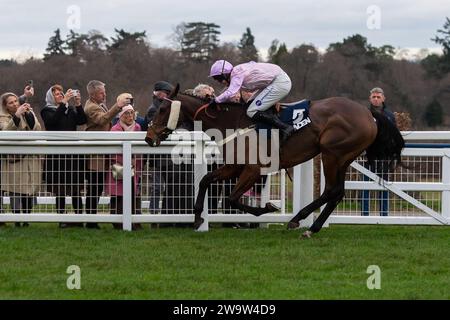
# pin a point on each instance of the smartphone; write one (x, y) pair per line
(131, 100)
(30, 83)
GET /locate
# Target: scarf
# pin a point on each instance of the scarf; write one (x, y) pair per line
(51, 103)
(50, 100)
(127, 128)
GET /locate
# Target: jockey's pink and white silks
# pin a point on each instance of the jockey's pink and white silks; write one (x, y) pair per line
(254, 76)
(270, 95)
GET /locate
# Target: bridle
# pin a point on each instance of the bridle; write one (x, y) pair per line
(165, 132)
(204, 107)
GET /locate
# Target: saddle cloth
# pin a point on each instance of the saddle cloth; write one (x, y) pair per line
(295, 114)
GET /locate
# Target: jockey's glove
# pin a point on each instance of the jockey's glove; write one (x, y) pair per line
(212, 103)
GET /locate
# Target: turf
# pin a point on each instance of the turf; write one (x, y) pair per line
(177, 263)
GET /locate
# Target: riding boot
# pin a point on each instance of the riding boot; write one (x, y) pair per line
(270, 118)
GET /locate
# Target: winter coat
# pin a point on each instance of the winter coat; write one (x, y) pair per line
(20, 173)
(385, 111)
(63, 173)
(115, 187)
(99, 118)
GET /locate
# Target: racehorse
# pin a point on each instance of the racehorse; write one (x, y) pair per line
(340, 130)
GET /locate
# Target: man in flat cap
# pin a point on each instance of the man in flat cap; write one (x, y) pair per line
(161, 90)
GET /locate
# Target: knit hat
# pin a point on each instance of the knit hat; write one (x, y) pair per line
(163, 86)
(125, 109)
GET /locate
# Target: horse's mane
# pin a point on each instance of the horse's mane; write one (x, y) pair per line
(204, 99)
(208, 99)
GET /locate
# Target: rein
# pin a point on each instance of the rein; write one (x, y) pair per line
(203, 107)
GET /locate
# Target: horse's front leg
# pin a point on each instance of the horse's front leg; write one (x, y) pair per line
(223, 173)
(249, 176)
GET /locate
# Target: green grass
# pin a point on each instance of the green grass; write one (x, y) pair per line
(177, 263)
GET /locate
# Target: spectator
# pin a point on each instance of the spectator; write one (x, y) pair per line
(177, 179)
(28, 93)
(161, 91)
(99, 118)
(64, 174)
(156, 163)
(114, 181)
(140, 120)
(377, 103)
(203, 91)
(21, 175)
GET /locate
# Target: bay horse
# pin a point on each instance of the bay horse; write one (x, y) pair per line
(340, 130)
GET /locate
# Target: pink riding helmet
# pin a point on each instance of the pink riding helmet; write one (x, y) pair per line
(220, 67)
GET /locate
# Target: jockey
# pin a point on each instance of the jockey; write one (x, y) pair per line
(271, 82)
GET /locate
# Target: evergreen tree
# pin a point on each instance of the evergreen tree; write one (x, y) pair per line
(55, 46)
(247, 46)
(444, 40)
(75, 43)
(8, 63)
(96, 41)
(352, 46)
(438, 66)
(199, 40)
(124, 38)
(277, 51)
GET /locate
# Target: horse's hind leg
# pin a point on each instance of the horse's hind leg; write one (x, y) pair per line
(330, 165)
(336, 195)
(222, 173)
(249, 176)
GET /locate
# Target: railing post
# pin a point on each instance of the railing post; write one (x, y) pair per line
(446, 181)
(303, 190)
(127, 185)
(200, 170)
(282, 190)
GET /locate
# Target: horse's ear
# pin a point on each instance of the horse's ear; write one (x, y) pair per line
(174, 92)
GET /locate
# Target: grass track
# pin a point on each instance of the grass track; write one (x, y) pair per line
(177, 263)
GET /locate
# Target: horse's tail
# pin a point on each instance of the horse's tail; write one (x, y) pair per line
(388, 144)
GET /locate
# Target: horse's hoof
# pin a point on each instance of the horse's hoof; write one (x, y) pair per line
(198, 222)
(307, 234)
(293, 225)
(270, 207)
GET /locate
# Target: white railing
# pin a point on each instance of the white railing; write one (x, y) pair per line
(194, 146)
(418, 195)
(197, 147)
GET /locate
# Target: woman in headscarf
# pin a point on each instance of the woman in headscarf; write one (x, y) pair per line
(21, 174)
(64, 174)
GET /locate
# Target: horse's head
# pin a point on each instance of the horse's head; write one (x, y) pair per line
(165, 120)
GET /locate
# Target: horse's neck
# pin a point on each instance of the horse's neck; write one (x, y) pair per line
(229, 117)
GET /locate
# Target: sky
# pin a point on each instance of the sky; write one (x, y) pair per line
(26, 26)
